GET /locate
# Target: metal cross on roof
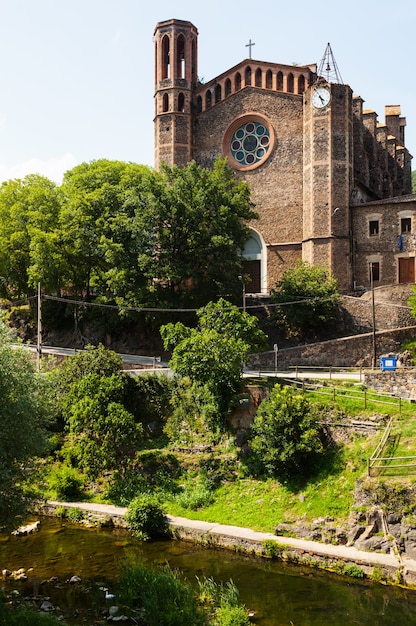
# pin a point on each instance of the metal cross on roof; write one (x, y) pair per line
(249, 45)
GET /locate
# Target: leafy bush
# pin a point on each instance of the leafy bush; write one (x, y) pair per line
(231, 616)
(74, 514)
(286, 434)
(354, 571)
(315, 299)
(160, 595)
(145, 517)
(66, 483)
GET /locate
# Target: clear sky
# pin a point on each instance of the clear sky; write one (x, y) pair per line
(77, 76)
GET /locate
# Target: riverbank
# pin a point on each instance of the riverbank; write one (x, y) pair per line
(391, 568)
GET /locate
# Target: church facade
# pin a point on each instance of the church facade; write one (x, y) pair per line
(331, 184)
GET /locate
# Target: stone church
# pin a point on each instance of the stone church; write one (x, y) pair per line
(330, 182)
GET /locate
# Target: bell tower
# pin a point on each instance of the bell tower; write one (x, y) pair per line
(327, 176)
(176, 58)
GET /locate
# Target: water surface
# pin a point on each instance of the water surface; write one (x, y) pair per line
(281, 595)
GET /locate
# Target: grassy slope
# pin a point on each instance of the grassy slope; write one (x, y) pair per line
(261, 505)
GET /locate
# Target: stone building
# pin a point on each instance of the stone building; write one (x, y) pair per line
(331, 184)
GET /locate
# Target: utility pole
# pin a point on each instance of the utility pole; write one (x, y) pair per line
(39, 342)
(373, 314)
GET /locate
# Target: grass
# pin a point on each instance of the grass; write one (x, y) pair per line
(262, 504)
(214, 486)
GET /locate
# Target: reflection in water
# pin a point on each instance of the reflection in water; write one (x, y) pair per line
(280, 594)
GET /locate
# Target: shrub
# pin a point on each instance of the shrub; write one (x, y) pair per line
(160, 595)
(286, 435)
(74, 514)
(354, 571)
(231, 616)
(311, 298)
(66, 483)
(145, 517)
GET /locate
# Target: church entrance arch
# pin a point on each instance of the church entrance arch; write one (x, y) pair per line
(254, 264)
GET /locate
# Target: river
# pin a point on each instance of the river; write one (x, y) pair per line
(280, 594)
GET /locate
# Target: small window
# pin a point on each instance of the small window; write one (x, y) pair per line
(373, 225)
(406, 224)
(375, 271)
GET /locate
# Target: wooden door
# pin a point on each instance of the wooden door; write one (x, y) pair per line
(252, 269)
(407, 270)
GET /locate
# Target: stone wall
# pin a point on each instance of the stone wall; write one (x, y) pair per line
(400, 383)
(356, 351)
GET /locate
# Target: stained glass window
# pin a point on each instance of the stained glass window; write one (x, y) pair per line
(250, 143)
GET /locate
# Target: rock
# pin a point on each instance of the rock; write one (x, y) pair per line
(26, 530)
(369, 531)
(410, 549)
(379, 544)
(341, 536)
(113, 610)
(47, 606)
(74, 579)
(354, 534)
(393, 518)
(6, 573)
(375, 518)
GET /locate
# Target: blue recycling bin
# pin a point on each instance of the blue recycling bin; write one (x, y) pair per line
(388, 363)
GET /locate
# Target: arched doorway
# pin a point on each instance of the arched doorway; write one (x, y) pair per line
(254, 264)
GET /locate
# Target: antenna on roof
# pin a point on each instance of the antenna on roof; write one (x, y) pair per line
(328, 68)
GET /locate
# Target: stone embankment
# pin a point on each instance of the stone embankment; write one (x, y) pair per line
(386, 561)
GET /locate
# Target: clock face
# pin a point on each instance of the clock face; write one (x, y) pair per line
(321, 97)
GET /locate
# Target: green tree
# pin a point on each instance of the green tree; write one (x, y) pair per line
(230, 321)
(199, 218)
(212, 354)
(28, 213)
(286, 435)
(414, 182)
(93, 360)
(104, 435)
(102, 232)
(23, 418)
(307, 300)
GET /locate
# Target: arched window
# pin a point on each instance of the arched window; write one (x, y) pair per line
(165, 103)
(238, 81)
(301, 84)
(258, 77)
(227, 87)
(217, 93)
(199, 104)
(208, 99)
(248, 76)
(180, 57)
(290, 83)
(181, 103)
(165, 57)
(269, 79)
(279, 81)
